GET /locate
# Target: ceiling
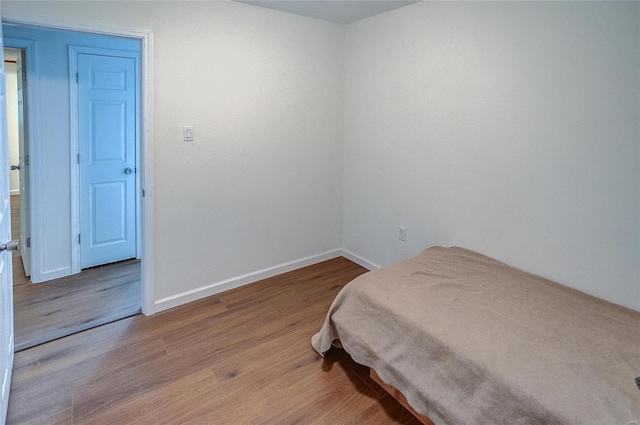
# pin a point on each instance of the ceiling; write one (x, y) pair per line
(339, 11)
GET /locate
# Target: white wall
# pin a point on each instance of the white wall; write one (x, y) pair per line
(511, 128)
(508, 128)
(11, 79)
(261, 184)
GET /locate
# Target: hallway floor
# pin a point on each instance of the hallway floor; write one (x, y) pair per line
(60, 307)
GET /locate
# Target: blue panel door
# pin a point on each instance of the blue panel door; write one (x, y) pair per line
(107, 132)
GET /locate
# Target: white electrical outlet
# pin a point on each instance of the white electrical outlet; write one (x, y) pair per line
(402, 233)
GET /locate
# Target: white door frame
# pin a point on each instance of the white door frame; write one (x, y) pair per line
(146, 145)
(34, 167)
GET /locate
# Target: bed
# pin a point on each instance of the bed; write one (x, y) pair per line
(467, 339)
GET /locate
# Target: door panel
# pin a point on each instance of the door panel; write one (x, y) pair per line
(106, 130)
(108, 135)
(6, 278)
(109, 202)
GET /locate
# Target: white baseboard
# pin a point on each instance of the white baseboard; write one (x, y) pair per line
(50, 274)
(235, 282)
(369, 265)
(14, 192)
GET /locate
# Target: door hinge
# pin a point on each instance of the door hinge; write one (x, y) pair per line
(143, 193)
(77, 77)
(26, 160)
(28, 242)
(24, 75)
(79, 238)
(78, 158)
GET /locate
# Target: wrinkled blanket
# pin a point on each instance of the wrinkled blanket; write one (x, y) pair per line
(470, 340)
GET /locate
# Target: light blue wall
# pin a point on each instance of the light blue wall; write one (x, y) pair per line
(51, 143)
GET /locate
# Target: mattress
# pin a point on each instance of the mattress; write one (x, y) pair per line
(470, 340)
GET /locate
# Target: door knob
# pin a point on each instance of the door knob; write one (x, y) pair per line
(127, 170)
(15, 167)
(10, 246)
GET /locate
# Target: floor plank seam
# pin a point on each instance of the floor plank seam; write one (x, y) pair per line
(164, 344)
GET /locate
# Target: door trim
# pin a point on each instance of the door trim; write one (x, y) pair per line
(35, 165)
(146, 139)
(76, 263)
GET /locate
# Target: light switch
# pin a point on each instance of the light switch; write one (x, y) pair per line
(187, 132)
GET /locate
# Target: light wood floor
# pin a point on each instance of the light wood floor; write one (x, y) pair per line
(241, 357)
(45, 311)
(56, 308)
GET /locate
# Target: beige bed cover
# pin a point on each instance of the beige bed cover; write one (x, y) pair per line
(470, 340)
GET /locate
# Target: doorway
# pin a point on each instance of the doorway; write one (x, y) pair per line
(15, 85)
(65, 302)
(145, 173)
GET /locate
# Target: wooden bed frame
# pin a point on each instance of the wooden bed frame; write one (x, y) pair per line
(393, 392)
